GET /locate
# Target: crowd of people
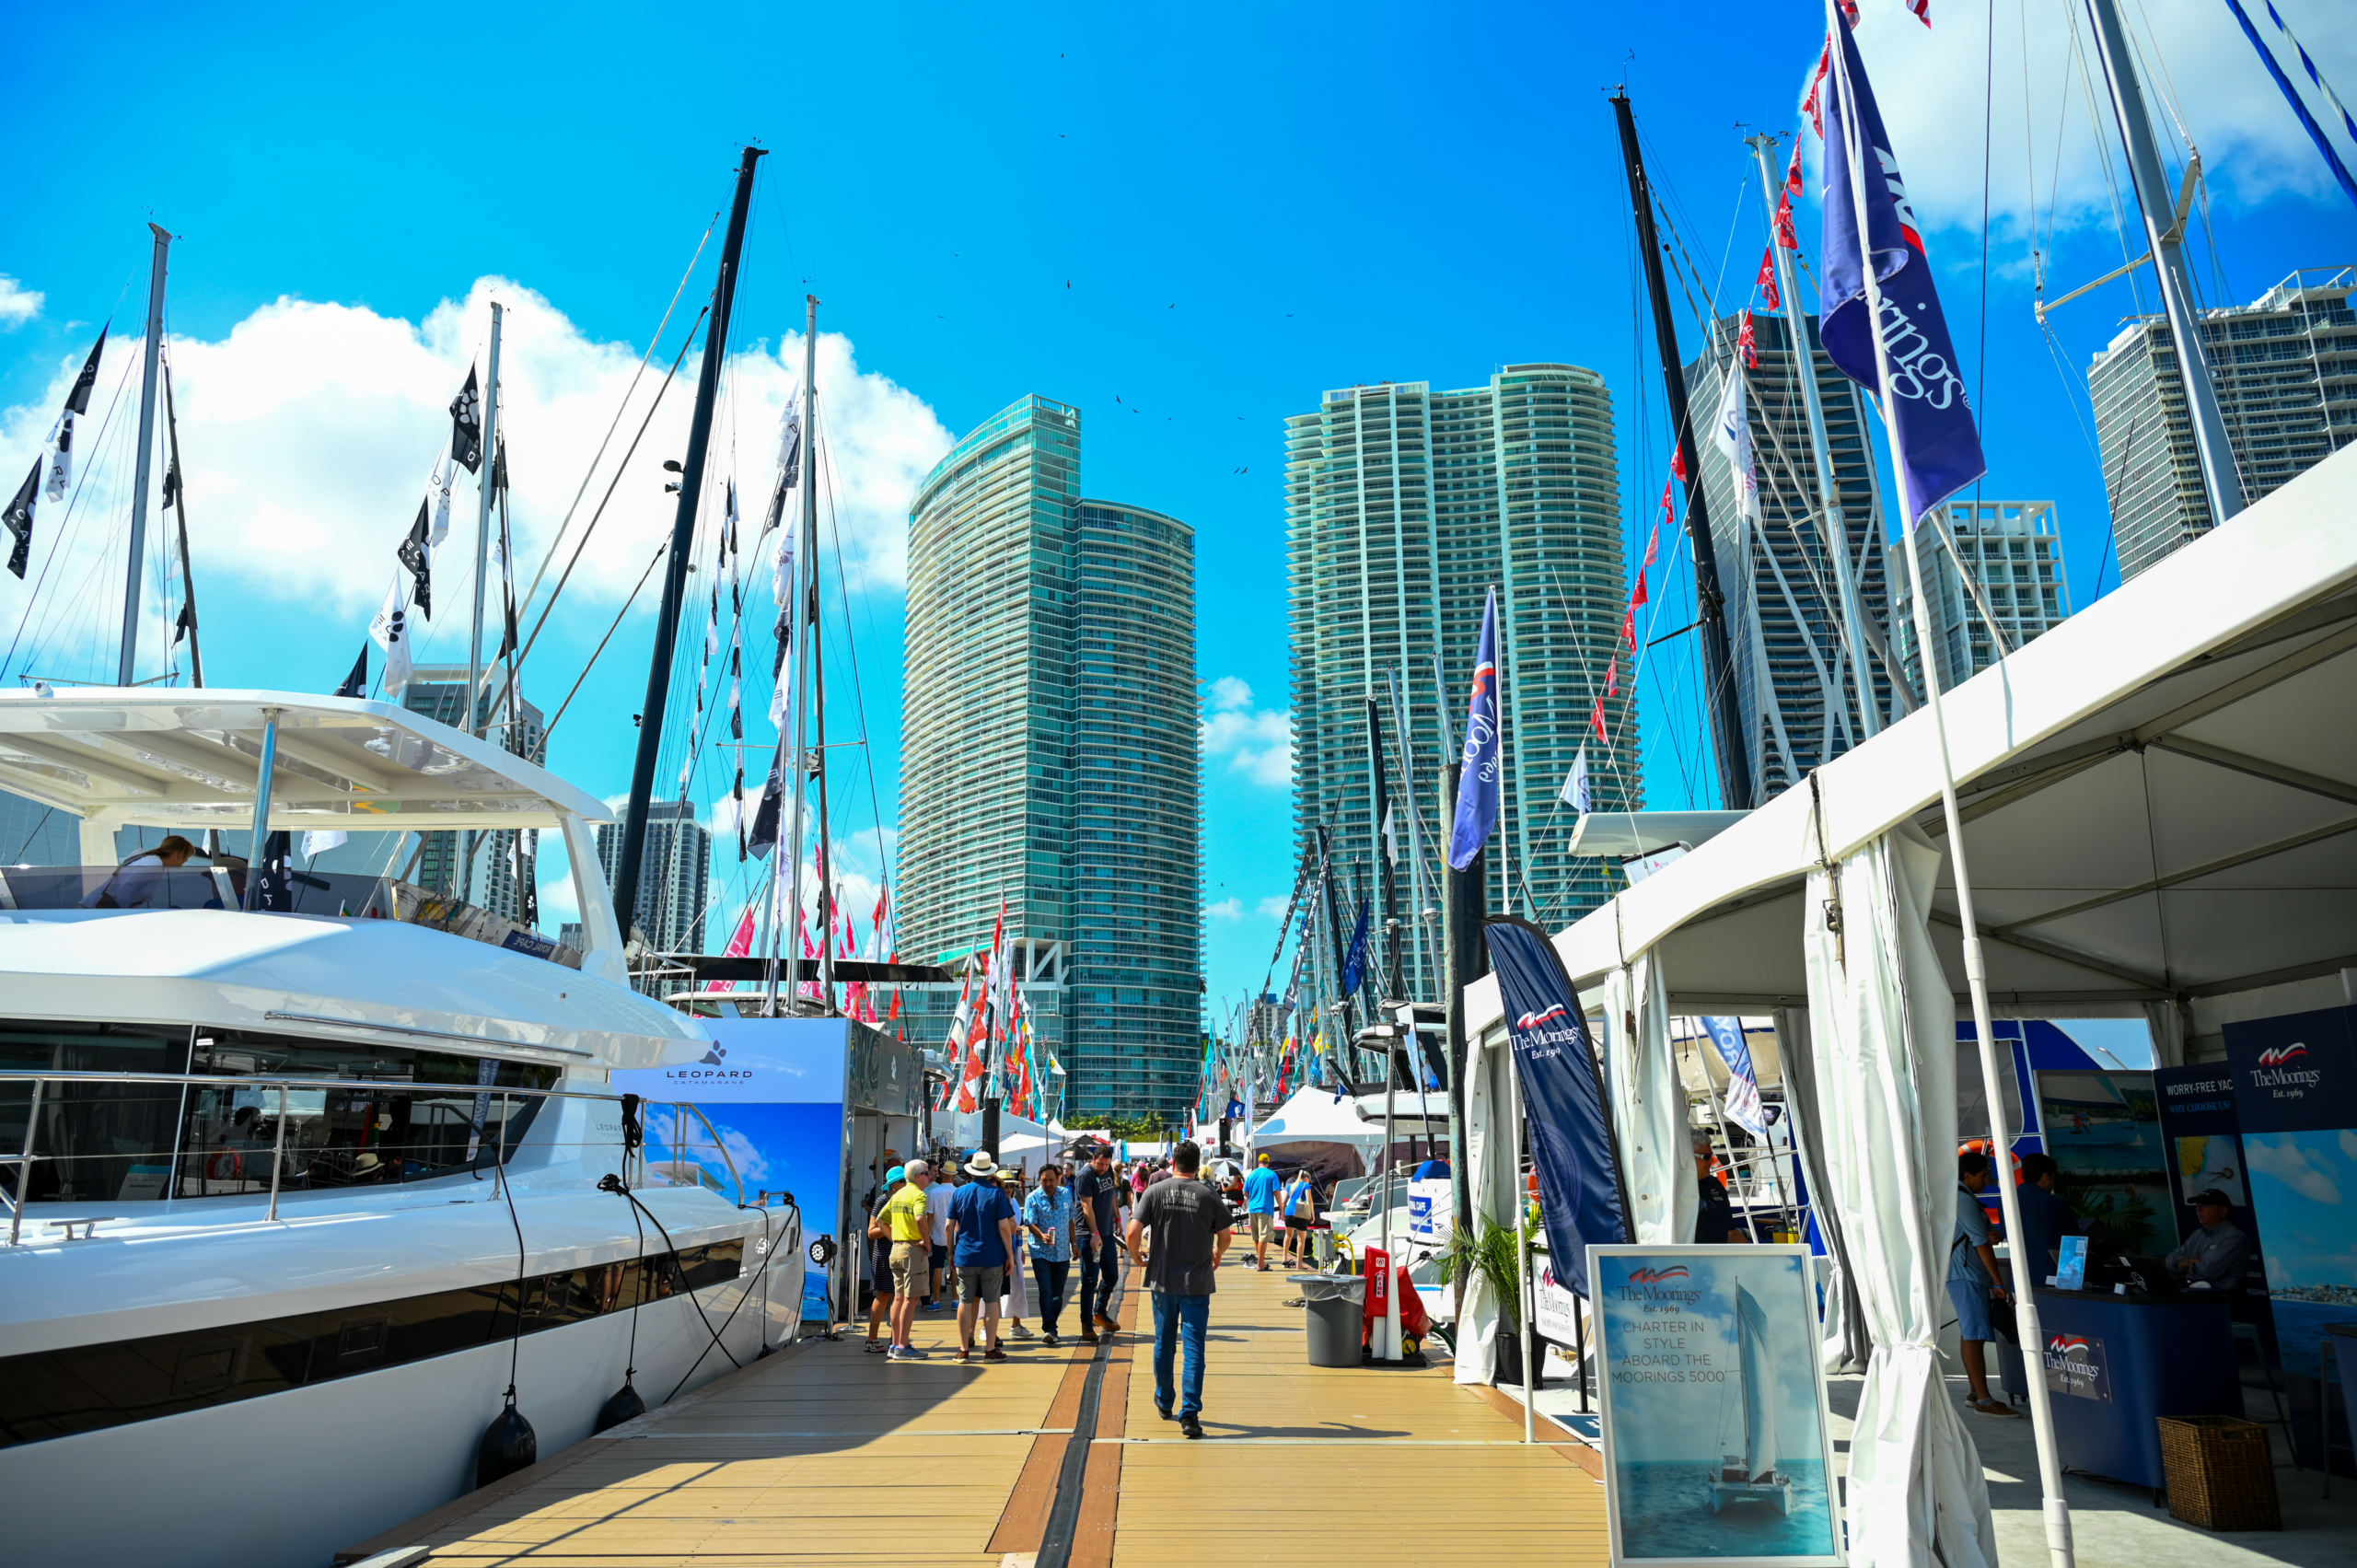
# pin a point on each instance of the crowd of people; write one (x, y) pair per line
(957, 1233)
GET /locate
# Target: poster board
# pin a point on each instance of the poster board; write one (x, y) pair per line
(1716, 1446)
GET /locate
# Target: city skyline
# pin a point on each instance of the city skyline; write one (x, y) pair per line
(1145, 257)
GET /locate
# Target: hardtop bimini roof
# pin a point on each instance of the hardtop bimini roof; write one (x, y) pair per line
(187, 758)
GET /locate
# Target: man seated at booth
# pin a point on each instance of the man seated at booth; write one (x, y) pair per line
(2216, 1255)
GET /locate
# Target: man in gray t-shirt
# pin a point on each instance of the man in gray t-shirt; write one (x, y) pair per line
(1189, 1224)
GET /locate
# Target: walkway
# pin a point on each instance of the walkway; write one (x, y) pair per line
(822, 1456)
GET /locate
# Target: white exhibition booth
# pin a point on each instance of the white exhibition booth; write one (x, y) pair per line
(2160, 808)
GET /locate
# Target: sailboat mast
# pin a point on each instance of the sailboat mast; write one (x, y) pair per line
(130, 654)
(818, 649)
(675, 569)
(805, 602)
(178, 483)
(475, 715)
(2165, 232)
(1831, 527)
(1710, 604)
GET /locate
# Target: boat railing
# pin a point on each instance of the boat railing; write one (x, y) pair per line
(352, 894)
(467, 1129)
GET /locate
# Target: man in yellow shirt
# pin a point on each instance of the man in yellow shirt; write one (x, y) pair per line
(907, 1221)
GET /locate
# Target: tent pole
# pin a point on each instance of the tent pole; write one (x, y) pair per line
(1976, 972)
(1527, 1301)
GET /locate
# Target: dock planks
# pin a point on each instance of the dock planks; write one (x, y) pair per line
(824, 1456)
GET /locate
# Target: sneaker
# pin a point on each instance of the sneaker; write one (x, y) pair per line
(1164, 1412)
(1106, 1324)
(965, 1355)
(994, 1354)
(896, 1352)
(1051, 1342)
(1088, 1337)
(931, 1307)
(1189, 1425)
(911, 1353)
(874, 1347)
(1021, 1332)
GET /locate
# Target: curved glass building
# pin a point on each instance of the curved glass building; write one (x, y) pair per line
(1050, 757)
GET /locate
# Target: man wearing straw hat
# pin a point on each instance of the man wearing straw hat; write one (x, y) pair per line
(981, 1234)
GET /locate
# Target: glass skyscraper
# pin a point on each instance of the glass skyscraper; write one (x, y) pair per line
(2014, 554)
(1051, 758)
(1403, 507)
(2286, 370)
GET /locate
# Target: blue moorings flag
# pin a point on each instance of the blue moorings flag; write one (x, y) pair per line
(1931, 421)
(1562, 1093)
(1743, 1105)
(1354, 963)
(1476, 786)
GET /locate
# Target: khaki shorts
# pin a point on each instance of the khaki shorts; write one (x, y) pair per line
(981, 1286)
(1262, 1225)
(909, 1260)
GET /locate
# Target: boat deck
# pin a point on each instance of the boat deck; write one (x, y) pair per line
(823, 1456)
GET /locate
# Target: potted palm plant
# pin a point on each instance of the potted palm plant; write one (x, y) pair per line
(1489, 1253)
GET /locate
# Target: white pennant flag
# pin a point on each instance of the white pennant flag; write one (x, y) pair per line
(438, 483)
(390, 632)
(1575, 793)
(61, 463)
(1732, 437)
(1390, 838)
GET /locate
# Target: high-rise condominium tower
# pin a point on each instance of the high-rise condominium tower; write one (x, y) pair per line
(1403, 507)
(1051, 758)
(2286, 370)
(674, 872)
(2013, 555)
(488, 877)
(1796, 687)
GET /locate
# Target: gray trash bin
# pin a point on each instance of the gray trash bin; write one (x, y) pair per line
(1336, 1305)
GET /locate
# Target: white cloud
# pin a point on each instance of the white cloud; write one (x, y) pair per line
(1257, 743)
(18, 304)
(1274, 908)
(1930, 82)
(307, 431)
(1227, 909)
(2283, 1157)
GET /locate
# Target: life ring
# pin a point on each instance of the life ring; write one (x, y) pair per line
(223, 1165)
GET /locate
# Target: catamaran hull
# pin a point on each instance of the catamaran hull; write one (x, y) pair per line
(289, 1477)
(1727, 1494)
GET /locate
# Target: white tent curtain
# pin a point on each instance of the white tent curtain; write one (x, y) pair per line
(2167, 1022)
(1648, 1105)
(1844, 1343)
(1491, 1146)
(1883, 1025)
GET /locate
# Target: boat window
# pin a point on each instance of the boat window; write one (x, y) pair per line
(371, 1134)
(100, 1143)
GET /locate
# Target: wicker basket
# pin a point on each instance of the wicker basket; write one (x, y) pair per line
(2220, 1471)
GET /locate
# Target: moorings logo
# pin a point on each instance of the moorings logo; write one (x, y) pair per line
(2285, 1066)
(1646, 1284)
(1545, 1032)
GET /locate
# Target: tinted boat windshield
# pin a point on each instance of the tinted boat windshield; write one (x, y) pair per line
(122, 1142)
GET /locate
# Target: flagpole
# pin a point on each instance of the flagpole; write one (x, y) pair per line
(2041, 1408)
(474, 719)
(129, 655)
(797, 615)
(818, 653)
(1835, 531)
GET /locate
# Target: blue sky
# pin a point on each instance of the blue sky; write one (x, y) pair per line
(1210, 215)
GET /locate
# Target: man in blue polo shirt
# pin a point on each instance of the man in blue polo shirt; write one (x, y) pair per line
(1260, 1210)
(981, 1246)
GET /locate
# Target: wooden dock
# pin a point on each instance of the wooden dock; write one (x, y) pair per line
(825, 1457)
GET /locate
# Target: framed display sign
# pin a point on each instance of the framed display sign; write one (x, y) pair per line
(1716, 1448)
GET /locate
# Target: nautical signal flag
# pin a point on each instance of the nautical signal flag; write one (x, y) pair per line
(1478, 783)
(1867, 216)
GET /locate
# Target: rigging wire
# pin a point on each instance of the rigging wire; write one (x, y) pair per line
(58, 531)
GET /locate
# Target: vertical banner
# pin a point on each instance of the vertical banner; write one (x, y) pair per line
(1562, 1093)
(1716, 1448)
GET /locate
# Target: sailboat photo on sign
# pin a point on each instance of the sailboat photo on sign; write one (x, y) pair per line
(1715, 1443)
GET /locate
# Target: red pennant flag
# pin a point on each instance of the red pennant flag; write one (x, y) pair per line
(1793, 171)
(1667, 511)
(1639, 597)
(1766, 281)
(1595, 717)
(1629, 629)
(1652, 539)
(1745, 342)
(1612, 676)
(1922, 9)
(1814, 104)
(1678, 460)
(1784, 235)
(1850, 10)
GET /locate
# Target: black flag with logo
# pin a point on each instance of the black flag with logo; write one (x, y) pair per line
(356, 683)
(415, 555)
(78, 400)
(764, 838)
(20, 520)
(466, 425)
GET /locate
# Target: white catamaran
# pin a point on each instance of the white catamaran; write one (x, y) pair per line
(315, 1182)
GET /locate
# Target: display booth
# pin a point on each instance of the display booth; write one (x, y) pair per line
(800, 1111)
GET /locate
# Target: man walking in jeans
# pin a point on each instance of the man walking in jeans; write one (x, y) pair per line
(1188, 1221)
(1097, 1195)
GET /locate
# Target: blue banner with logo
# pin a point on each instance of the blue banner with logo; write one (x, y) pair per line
(1562, 1093)
(1477, 783)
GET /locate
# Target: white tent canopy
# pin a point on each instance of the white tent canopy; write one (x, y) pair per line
(2160, 800)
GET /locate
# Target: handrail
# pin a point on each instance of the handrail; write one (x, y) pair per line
(40, 1079)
